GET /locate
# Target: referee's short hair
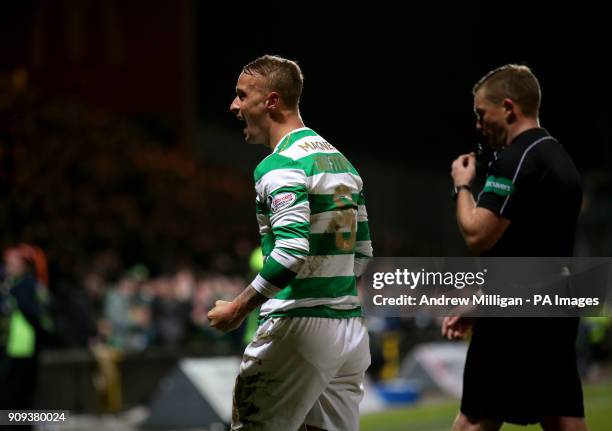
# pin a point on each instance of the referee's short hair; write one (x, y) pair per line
(514, 82)
(282, 75)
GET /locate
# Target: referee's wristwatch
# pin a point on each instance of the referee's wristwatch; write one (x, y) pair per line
(458, 188)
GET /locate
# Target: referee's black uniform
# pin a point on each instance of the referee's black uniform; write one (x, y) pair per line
(523, 369)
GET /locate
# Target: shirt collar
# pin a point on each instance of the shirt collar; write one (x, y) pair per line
(287, 136)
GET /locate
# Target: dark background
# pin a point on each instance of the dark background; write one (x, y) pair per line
(402, 78)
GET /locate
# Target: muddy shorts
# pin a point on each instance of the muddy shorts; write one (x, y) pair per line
(302, 370)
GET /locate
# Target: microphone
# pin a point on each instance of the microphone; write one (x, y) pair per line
(485, 155)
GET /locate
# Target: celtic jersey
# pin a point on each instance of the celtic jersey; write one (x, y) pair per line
(314, 229)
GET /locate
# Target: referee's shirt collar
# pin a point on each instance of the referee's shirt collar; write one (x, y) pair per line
(528, 136)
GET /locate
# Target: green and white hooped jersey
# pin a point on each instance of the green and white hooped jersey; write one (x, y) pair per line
(314, 229)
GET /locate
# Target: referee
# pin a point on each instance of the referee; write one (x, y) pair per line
(518, 370)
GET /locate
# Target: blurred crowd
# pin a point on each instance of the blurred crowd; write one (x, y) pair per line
(138, 311)
(130, 310)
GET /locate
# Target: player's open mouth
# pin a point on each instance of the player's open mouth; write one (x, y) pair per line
(240, 118)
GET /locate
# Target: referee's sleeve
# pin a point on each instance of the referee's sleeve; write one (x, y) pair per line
(498, 193)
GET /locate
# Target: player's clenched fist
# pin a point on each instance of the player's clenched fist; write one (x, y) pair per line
(224, 316)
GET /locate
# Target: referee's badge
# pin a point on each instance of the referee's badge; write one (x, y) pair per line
(499, 185)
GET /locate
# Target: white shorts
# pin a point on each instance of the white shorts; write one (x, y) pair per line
(302, 370)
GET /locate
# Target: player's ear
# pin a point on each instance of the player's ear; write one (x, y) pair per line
(273, 101)
(510, 109)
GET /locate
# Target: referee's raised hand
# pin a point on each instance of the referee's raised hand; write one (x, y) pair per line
(463, 169)
(456, 327)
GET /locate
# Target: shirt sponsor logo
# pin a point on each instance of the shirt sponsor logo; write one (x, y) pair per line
(281, 201)
(501, 186)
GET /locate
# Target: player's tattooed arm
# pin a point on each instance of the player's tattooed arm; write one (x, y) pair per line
(227, 316)
(249, 300)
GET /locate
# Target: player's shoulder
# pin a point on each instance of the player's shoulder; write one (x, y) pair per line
(277, 172)
(274, 162)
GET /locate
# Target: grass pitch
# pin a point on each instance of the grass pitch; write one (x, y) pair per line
(439, 416)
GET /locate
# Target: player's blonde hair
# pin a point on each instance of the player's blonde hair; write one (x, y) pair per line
(282, 75)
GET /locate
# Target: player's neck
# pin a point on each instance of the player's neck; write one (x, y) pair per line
(280, 129)
(521, 126)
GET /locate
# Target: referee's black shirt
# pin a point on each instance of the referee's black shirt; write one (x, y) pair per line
(534, 183)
